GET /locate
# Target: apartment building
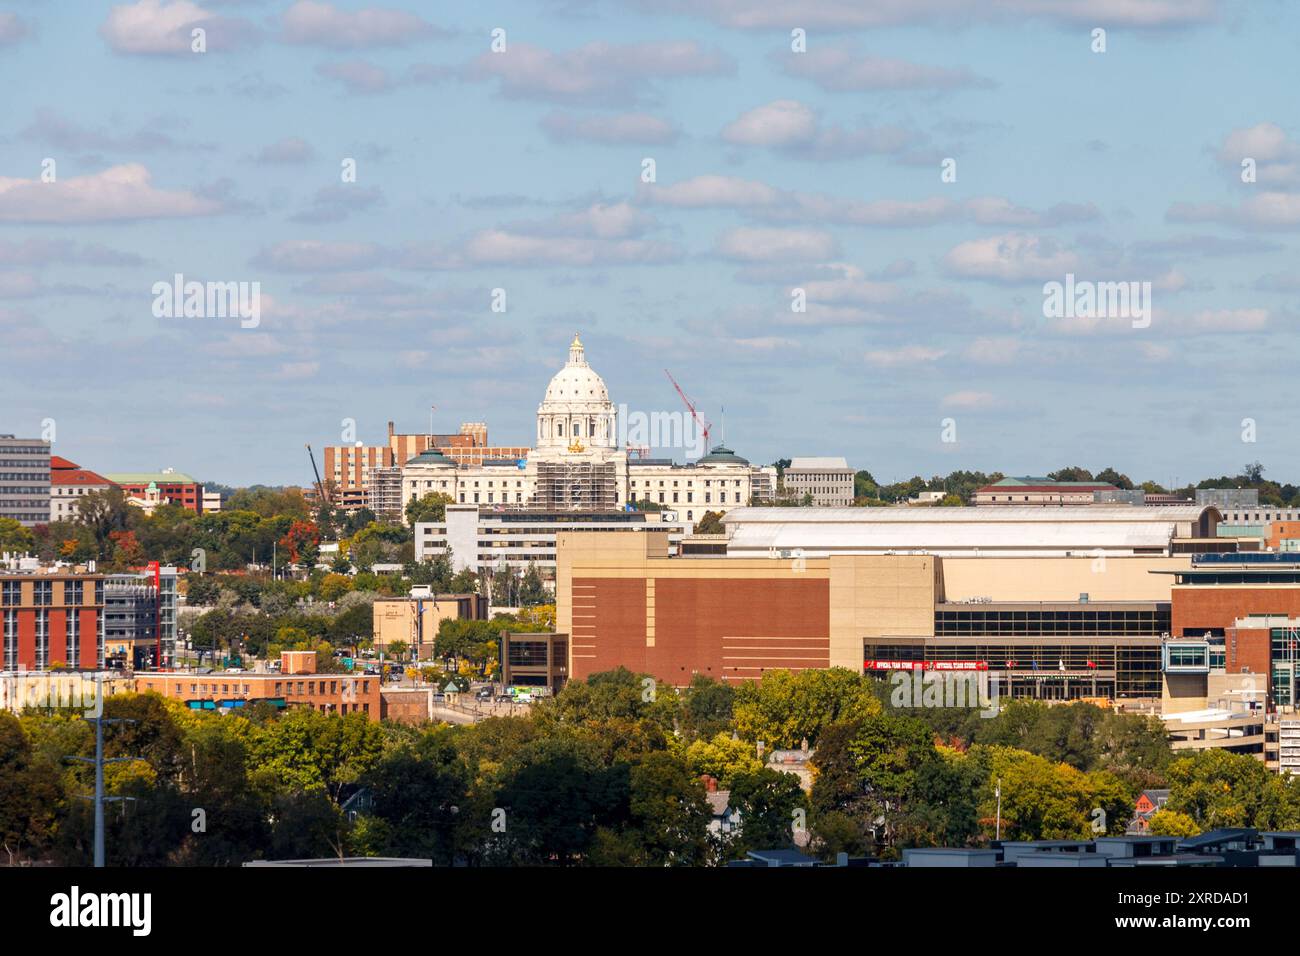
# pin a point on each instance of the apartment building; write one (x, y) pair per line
(51, 620)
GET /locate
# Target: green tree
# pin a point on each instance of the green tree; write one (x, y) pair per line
(14, 537)
(432, 507)
(710, 523)
(766, 801)
(787, 707)
(1165, 822)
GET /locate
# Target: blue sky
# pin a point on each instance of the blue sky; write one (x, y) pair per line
(774, 170)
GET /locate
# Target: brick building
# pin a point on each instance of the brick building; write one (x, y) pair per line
(296, 685)
(51, 619)
(168, 486)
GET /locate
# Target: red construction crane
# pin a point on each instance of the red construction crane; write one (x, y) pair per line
(700, 420)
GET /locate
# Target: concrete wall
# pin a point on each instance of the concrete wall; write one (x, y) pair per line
(1058, 579)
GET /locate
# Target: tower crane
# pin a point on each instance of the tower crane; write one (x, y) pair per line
(705, 425)
(320, 485)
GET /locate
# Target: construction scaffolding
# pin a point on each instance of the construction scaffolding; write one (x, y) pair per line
(384, 497)
(575, 486)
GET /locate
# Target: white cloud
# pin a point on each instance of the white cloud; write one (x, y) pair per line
(310, 255)
(1014, 257)
(840, 69)
(1266, 211)
(908, 355)
(794, 128)
(1277, 158)
(750, 244)
(157, 27)
(357, 75)
(321, 24)
(599, 221)
(778, 205)
(969, 399)
(621, 128)
(778, 123)
(832, 15)
(599, 73)
(291, 149)
(118, 193)
(12, 29)
(703, 192)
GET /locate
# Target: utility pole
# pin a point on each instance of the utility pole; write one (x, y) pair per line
(998, 791)
(99, 762)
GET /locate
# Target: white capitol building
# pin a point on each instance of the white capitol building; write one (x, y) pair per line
(577, 464)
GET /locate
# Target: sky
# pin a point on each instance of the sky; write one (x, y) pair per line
(673, 180)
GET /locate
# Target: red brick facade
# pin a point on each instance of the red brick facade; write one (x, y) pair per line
(1196, 610)
(727, 628)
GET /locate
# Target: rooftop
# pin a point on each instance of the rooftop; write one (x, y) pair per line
(802, 464)
(144, 477)
(1014, 529)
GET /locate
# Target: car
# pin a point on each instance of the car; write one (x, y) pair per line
(485, 693)
(504, 699)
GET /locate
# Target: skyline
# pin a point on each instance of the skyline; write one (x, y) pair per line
(775, 170)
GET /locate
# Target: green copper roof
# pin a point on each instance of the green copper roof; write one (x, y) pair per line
(431, 456)
(144, 477)
(722, 456)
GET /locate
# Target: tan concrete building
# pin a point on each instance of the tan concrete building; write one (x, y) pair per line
(415, 620)
(625, 602)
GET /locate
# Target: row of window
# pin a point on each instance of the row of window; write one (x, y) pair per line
(71, 640)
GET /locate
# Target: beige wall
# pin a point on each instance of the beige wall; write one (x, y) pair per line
(1058, 579)
(875, 596)
(1181, 693)
(394, 621)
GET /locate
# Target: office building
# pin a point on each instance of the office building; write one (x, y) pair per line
(25, 480)
(535, 660)
(822, 482)
(140, 619)
(484, 540)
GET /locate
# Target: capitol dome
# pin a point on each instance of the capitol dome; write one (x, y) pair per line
(576, 413)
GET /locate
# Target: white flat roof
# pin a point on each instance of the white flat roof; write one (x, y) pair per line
(1095, 514)
(957, 530)
(799, 464)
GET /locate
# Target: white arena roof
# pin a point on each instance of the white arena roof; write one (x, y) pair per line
(1115, 529)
